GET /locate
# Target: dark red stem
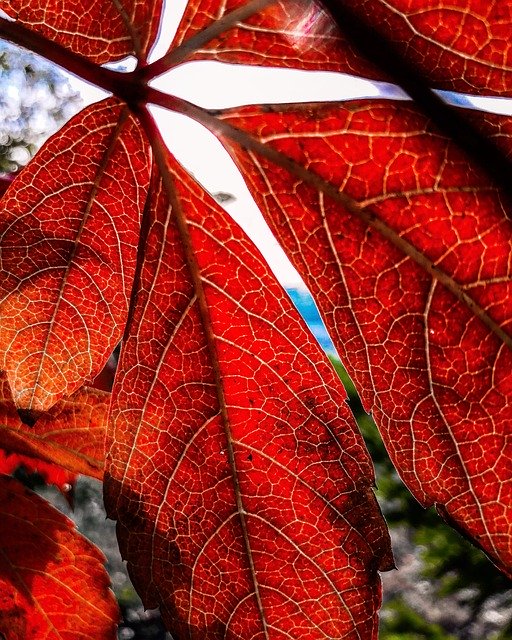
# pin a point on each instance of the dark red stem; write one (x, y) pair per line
(187, 48)
(126, 86)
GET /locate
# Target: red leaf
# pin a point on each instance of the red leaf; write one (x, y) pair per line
(103, 30)
(52, 581)
(406, 248)
(298, 34)
(71, 435)
(69, 230)
(459, 46)
(51, 473)
(241, 485)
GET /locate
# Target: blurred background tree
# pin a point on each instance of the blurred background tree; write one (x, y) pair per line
(35, 100)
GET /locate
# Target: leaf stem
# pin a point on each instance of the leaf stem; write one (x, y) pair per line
(126, 86)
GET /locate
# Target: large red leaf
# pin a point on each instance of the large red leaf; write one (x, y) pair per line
(290, 33)
(461, 46)
(241, 486)
(406, 248)
(103, 30)
(68, 234)
(53, 584)
(71, 435)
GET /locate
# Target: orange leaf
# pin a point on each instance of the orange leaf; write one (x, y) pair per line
(241, 485)
(298, 34)
(53, 584)
(406, 248)
(71, 435)
(69, 229)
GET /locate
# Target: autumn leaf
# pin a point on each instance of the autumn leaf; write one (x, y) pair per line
(53, 583)
(241, 487)
(405, 247)
(313, 180)
(461, 45)
(458, 46)
(295, 34)
(59, 477)
(71, 434)
(69, 229)
(102, 31)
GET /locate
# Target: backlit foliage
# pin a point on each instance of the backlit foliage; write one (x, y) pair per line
(241, 486)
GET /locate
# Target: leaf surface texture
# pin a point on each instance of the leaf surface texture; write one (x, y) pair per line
(103, 30)
(69, 229)
(241, 487)
(406, 248)
(296, 34)
(457, 46)
(53, 584)
(71, 435)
